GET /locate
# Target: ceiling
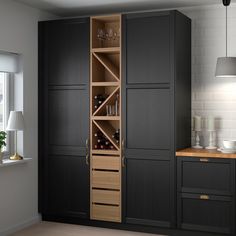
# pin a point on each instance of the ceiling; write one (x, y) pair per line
(68, 8)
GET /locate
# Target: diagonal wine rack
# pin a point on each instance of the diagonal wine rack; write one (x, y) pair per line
(105, 119)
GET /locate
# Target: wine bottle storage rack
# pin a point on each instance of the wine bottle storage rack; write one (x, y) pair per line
(105, 121)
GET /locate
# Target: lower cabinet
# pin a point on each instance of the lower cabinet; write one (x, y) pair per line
(206, 194)
(206, 212)
(148, 192)
(67, 187)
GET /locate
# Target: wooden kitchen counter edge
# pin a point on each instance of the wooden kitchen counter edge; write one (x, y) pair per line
(191, 152)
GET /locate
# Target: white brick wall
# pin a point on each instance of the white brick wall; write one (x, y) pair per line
(210, 95)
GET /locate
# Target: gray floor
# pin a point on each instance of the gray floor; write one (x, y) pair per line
(57, 229)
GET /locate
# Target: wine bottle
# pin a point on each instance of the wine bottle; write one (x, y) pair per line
(96, 146)
(98, 134)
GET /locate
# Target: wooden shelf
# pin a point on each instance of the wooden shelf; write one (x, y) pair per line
(107, 50)
(106, 117)
(105, 151)
(108, 65)
(105, 84)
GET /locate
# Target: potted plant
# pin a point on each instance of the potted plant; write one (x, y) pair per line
(3, 136)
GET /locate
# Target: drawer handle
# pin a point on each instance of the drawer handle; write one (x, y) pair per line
(204, 160)
(204, 197)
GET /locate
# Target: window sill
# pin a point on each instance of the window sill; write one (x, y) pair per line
(8, 162)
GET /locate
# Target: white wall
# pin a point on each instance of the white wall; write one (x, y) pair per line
(19, 184)
(210, 95)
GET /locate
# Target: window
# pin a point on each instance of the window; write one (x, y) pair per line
(5, 105)
(9, 65)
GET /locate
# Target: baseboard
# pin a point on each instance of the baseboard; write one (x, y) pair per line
(20, 226)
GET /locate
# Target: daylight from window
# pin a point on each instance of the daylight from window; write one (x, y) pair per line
(2, 101)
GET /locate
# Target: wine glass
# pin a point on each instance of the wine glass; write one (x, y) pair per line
(110, 33)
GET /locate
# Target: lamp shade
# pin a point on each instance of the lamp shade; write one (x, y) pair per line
(15, 121)
(226, 67)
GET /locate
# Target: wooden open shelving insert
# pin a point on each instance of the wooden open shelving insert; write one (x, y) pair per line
(105, 118)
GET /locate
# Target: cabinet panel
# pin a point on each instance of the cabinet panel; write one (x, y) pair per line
(148, 192)
(67, 50)
(68, 186)
(55, 186)
(213, 215)
(148, 118)
(77, 187)
(68, 117)
(148, 54)
(213, 176)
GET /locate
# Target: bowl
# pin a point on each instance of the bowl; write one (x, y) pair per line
(229, 144)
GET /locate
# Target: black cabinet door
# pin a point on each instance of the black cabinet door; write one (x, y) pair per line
(148, 120)
(214, 214)
(64, 117)
(148, 48)
(148, 192)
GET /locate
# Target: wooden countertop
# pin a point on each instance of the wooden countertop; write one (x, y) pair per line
(191, 152)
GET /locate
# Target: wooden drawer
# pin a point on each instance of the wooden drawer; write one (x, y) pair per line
(201, 175)
(106, 179)
(206, 213)
(107, 213)
(106, 162)
(106, 196)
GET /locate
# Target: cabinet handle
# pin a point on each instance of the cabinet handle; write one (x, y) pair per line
(87, 151)
(122, 153)
(204, 160)
(204, 197)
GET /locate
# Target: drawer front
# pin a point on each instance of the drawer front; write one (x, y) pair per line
(106, 196)
(106, 162)
(106, 179)
(206, 213)
(200, 175)
(107, 213)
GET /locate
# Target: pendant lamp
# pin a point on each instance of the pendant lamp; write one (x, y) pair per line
(226, 66)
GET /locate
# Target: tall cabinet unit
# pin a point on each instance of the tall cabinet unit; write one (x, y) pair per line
(156, 100)
(114, 106)
(64, 118)
(105, 118)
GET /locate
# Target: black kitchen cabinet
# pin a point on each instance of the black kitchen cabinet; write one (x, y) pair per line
(206, 194)
(157, 110)
(64, 117)
(156, 118)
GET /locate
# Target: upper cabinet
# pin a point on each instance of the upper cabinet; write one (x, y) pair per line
(148, 43)
(66, 52)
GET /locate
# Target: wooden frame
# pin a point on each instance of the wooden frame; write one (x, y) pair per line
(105, 78)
